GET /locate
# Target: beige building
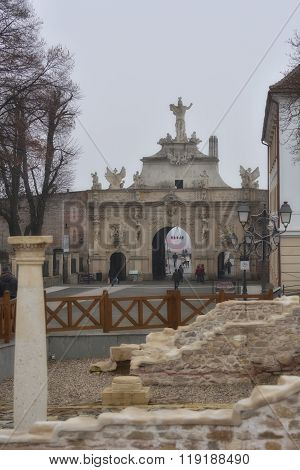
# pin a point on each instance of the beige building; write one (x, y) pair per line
(283, 178)
(123, 229)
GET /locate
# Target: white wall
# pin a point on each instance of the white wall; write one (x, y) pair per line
(289, 175)
(162, 172)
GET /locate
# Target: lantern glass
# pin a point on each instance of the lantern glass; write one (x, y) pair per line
(285, 213)
(248, 238)
(243, 212)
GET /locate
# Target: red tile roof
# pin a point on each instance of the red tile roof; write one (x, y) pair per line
(289, 83)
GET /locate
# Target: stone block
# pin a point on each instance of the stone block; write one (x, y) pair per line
(127, 379)
(115, 398)
(285, 358)
(127, 383)
(220, 435)
(123, 352)
(167, 446)
(273, 445)
(137, 435)
(283, 411)
(127, 390)
(269, 435)
(294, 424)
(103, 366)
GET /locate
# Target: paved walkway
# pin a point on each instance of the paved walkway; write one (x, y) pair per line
(131, 289)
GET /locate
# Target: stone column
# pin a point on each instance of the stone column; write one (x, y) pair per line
(60, 258)
(30, 374)
(13, 265)
(50, 261)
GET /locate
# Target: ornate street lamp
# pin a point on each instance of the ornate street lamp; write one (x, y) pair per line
(243, 212)
(262, 234)
(285, 213)
(244, 249)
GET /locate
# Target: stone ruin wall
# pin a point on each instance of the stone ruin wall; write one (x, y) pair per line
(268, 419)
(236, 342)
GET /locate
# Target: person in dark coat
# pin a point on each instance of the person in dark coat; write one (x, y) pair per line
(113, 277)
(181, 271)
(202, 273)
(176, 278)
(8, 282)
(198, 273)
(175, 258)
(228, 266)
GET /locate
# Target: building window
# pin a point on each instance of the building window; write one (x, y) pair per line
(179, 184)
(73, 265)
(46, 269)
(74, 236)
(55, 266)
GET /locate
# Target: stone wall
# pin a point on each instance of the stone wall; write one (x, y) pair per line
(268, 419)
(249, 342)
(65, 212)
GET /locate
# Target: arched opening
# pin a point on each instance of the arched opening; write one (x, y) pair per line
(118, 266)
(225, 265)
(159, 253)
(171, 247)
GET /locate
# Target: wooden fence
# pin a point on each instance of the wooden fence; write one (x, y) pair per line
(73, 313)
(7, 317)
(106, 313)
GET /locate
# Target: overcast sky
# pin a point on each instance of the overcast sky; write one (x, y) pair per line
(135, 57)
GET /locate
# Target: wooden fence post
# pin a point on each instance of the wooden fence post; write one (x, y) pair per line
(269, 295)
(173, 308)
(106, 312)
(221, 296)
(7, 316)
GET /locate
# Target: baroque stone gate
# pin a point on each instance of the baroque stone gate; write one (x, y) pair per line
(179, 186)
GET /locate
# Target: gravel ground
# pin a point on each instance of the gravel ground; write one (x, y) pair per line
(70, 382)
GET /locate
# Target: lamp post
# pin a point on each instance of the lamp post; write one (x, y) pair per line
(88, 267)
(246, 258)
(263, 234)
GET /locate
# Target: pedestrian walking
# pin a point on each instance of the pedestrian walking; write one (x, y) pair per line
(228, 266)
(8, 282)
(175, 258)
(176, 279)
(180, 271)
(113, 278)
(202, 273)
(198, 273)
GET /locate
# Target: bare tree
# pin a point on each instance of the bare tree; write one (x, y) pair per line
(10, 170)
(37, 115)
(289, 86)
(47, 162)
(24, 59)
(20, 50)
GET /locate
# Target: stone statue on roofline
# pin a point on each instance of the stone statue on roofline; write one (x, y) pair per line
(138, 180)
(166, 140)
(179, 111)
(95, 181)
(115, 178)
(203, 181)
(194, 139)
(249, 177)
